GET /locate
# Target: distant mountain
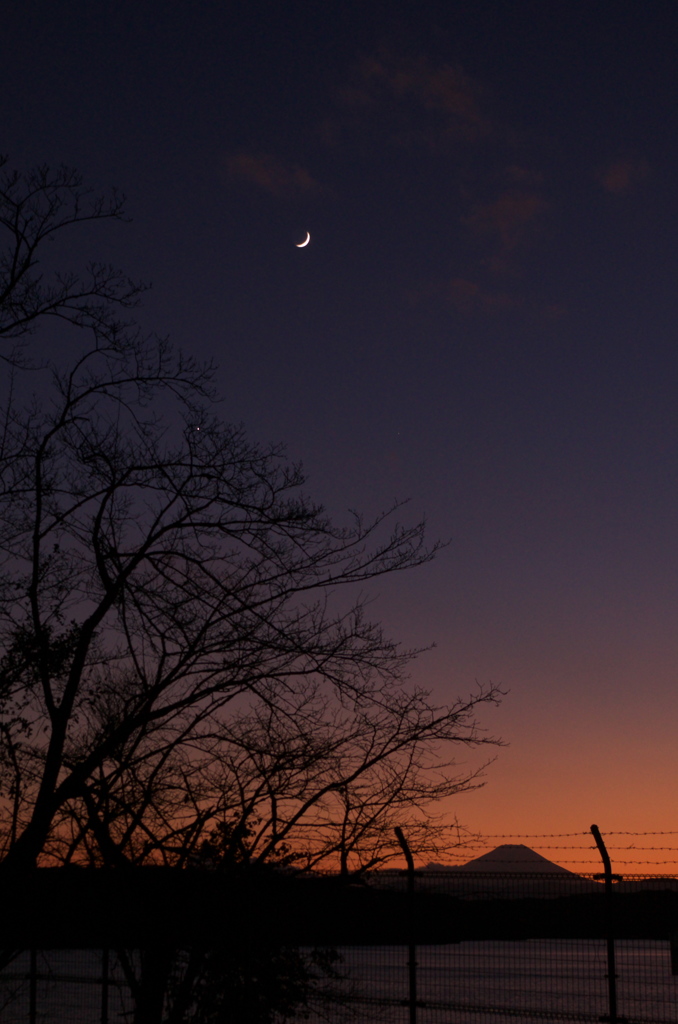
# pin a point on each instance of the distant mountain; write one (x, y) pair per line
(508, 857)
(511, 871)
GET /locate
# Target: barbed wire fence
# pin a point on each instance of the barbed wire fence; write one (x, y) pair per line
(500, 967)
(536, 943)
(570, 855)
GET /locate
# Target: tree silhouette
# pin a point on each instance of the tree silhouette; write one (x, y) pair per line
(176, 650)
(34, 208)
(187, 667)
(164, 581)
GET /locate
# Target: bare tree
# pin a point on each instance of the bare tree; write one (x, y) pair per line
(301, 778)
(35, 207)
(183, 641)
(153, 574)
(187, 670)
(323, 783)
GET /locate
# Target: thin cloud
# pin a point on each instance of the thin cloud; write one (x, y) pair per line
(469, 298)
(473, 300)
(623, 176)
(524, 176)
(443, 88)
(415, 98)
(271, 174)
(511, 218)
(437, 109)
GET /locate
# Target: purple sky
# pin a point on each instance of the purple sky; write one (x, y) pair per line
(484, 320)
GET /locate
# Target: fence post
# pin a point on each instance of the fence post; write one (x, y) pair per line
(33, 987)
(674, 952)
(609, 923)
(104, 985)
(412, 949)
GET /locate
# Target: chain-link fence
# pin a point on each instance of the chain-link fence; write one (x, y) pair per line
(497, 982)
(485, 946)
(521, 947)
(74, 986)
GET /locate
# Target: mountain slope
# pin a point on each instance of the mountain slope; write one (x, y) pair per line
(508, 857)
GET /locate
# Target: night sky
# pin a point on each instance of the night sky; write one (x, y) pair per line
(484, 321)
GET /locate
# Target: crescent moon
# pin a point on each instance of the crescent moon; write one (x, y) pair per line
(300, 245)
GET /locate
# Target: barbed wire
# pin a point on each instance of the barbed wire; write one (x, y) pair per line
(638, 863)
(592, 846)
(617, 861)
(542, 846)
(609, 833)
(559, 835)
(536, 835)
(475, 844)
(642, 849)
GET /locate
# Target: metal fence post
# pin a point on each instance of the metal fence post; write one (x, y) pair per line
(674, 952)
(609, 922)
(33, 987)
(412, 949)
(104, 985)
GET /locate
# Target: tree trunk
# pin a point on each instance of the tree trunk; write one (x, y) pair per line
(156, 966)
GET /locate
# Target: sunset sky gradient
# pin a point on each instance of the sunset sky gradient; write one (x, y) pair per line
(484, 322)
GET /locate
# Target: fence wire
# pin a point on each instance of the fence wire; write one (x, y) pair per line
(490, 948)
